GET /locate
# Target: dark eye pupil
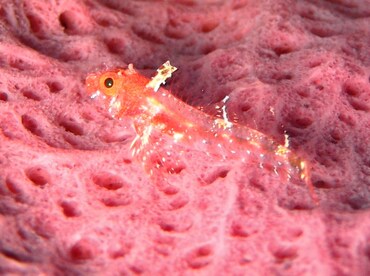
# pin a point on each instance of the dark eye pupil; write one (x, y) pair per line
(108, 82)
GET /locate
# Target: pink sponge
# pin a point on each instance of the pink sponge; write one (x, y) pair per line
(73, 201)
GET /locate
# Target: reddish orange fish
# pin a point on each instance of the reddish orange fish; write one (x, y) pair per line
(153, 109)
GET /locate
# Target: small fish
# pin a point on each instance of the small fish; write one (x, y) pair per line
(155, 110)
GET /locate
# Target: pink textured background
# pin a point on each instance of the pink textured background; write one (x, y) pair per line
(74, 202)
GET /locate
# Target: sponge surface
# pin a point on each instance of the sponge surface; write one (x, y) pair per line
(73, 201)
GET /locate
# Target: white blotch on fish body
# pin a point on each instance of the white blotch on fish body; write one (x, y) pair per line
(225, 116)
(114, 106)
(177, 136)
(96, 94)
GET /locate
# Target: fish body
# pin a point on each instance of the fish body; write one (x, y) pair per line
(153, 109)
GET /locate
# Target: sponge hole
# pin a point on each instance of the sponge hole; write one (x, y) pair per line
(116, 136)
(356, 87)
(55, 86)
(175, 169)
(179, 202)
(243, 229)
(21, 64)
(35, 22)
(175, 33)
(280, 76)
(104, 22)
(209, 48)
(337, 134)
(325, 184)
(108, 181)
(200, 257)
(30, 94)
(367, 252)
(358, 202)
(359, 105)
(13, 186)
(31, 125)
(74, 52)
(38, 175)
(70, 209)
(299, 118)
(322, 32)
(204, 251)
(302, 122)
(117, 201)
(308, 13)
(188, 3)
(83, 250)
(3, 97)
(146, 34)
(258, 184)
(115, 45)
(167, 165)
(176, 223)
(347, 118)
(282, 253)
(209, 26)
(19, 257)
(282, 50)
(214, 175)
(300, 202)
(69, 20)
(169, 190)
(239, 4)
(245, 107)
(118, 6)
(71, 126)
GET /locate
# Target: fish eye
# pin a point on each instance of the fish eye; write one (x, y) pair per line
(108, 82)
